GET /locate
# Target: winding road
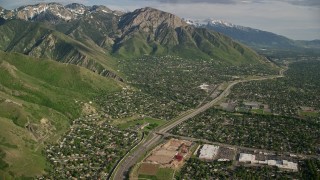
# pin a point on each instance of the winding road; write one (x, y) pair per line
(154, 138)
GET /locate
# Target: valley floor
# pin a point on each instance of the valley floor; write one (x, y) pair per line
(199, 125)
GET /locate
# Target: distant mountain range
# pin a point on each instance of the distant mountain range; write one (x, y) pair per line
(258, 39)
(94, 36)
(68, 12)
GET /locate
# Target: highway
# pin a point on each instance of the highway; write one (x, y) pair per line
(155, 137)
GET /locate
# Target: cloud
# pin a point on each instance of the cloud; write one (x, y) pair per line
(11, 4)
(197, 1)
(294, 2)
(305, 2)
(14, 3)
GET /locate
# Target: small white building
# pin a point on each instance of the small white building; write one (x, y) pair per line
(208, 152)
(287, 165)
(223, 160)
(263, 162)
(247, 158)
(272, 162)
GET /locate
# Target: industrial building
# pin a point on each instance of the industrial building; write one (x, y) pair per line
(208, 152)
(282, 164)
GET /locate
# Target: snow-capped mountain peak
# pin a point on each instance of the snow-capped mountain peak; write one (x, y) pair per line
(212, 22)
(192, 22)
(225, 24)
(221, 22)
(68, 12)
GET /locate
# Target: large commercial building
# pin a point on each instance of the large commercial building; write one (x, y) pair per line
(283, 164)
(208, 152)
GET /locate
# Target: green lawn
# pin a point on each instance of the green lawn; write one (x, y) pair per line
(257, 111)
(146, 177)
(165, 174)
(309, 114)
(162, 174)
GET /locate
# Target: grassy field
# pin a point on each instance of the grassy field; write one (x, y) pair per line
(161, 174)
(38, 98)
(309, 114)
(165, 173)
(132, 122)
(257, 111)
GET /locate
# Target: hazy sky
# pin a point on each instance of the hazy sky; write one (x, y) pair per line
(296, 19)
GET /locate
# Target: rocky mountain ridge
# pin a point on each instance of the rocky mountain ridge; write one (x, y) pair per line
(68, 12)
(95, 36)
(150, 20)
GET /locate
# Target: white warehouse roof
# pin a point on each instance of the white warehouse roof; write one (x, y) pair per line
(246, 157)
(208, 152)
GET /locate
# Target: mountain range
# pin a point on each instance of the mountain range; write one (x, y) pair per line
(258, 39)
(95, 36)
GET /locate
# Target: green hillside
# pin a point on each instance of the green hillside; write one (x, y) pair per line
(38, 40)
(196, 44)
(166, 34)
(38, 98)
(97, 40)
